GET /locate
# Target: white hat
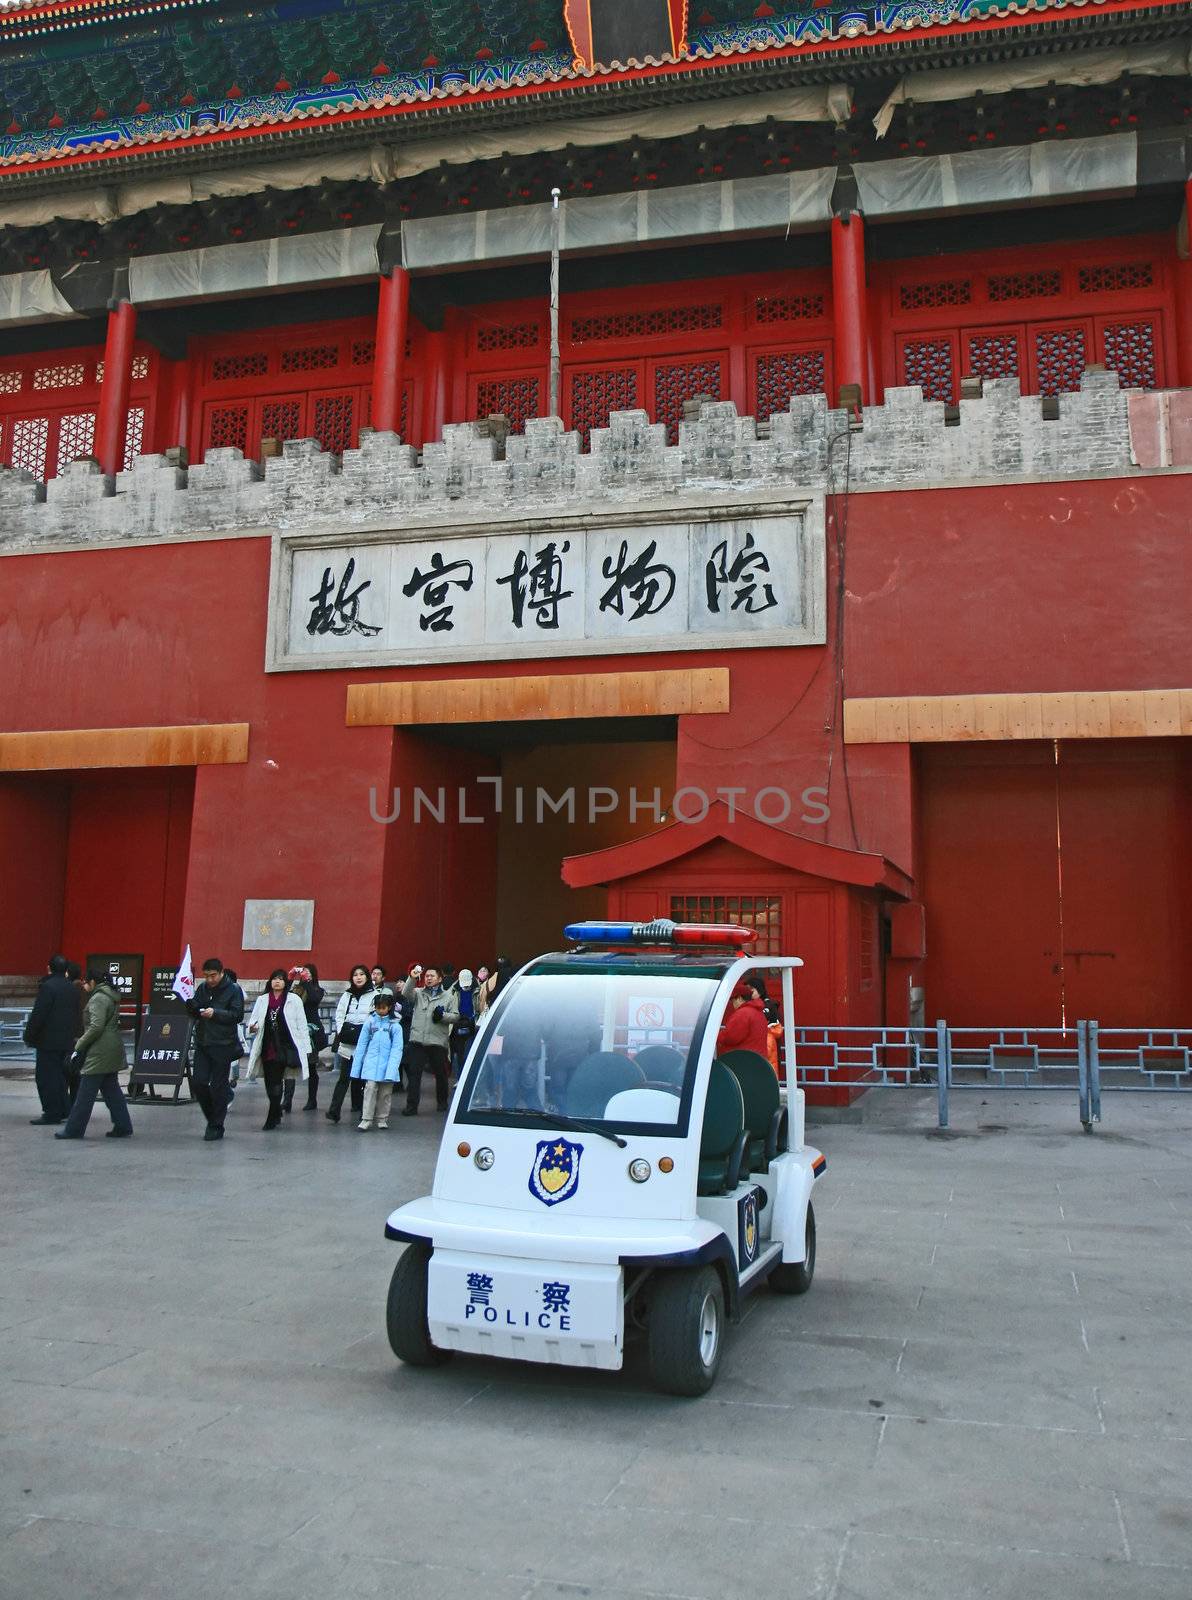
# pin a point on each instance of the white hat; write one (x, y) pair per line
(465, 979)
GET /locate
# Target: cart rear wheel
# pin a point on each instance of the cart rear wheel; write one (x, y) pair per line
(686, 1330)
(405, 1311)
(794, 1277)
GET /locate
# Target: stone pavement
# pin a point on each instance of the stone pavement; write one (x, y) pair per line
(985, 1394)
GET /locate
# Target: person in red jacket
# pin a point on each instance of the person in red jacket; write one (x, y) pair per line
(744, 1026)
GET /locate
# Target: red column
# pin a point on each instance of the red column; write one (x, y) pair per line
(849, 307)
(111, 421)
(434, 385)
(393, 309)
(1183, 293)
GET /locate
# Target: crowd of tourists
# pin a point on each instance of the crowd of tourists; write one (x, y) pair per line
(384, 1035)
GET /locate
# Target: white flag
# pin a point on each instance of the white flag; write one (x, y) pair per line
(184, 979)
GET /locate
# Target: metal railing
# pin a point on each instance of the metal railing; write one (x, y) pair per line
(1085, 1058)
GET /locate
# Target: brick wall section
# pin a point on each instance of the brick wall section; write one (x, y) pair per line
(906, 443)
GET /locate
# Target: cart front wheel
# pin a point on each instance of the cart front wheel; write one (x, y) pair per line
(794, 1277)
(686, 1330)
(405, 1311)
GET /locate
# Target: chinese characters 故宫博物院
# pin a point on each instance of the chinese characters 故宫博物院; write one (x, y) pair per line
(435, 584)
(339, 615)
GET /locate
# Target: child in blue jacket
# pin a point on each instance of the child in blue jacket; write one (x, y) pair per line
(377, 1060)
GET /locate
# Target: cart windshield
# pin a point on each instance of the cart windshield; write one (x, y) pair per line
(609, 1044)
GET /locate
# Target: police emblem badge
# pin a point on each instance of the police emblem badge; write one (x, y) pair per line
(747, 1229)
(555, 1173)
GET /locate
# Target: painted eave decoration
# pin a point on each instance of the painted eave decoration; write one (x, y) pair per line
(812, 27)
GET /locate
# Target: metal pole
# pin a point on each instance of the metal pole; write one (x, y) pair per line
(943, 1062)
(1095, 1071)
(556, 218)
(1082, 1074)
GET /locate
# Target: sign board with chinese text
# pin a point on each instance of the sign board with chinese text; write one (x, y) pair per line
(162, 1050)
(278, 925)
(727, 576)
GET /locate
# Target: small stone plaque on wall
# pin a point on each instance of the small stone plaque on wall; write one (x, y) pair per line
(278, 924)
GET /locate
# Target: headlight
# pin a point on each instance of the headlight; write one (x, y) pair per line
(639, 1170)
(484, 1158)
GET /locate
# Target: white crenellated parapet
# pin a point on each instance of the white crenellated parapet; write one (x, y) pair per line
(906, 443)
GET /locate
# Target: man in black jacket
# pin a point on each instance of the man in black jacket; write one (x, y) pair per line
(51, 1031)
(218, 1004)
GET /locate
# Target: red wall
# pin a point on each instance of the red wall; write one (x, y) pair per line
(1033, 586)
(34, 824)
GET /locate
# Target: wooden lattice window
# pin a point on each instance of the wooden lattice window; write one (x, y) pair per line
(1060, 357)
(10, 382)
(596, 392)
(1130, 352)
(515, 398)
(281, 419)
(928, 363)
(510, 336)
(30, 439)
(364, 352)
(783, 373)
(134, 436)
(993, 355)
(227, 428)
(1116, 275)
(927, 296)
(678, 381)
(762, 913)
(646, 324)
(76, 437)
(768, 308)
(334, 415)
(68, 375)
(310, 358)
(1042, 285)
(248, 364)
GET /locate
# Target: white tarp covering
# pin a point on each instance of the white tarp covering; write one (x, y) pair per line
(982, 179)
(385, 163)
(1170, 60)
(311, 258)
(28, 296)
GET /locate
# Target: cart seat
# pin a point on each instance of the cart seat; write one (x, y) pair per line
(662, 1064)
(723, 1140)
(764, 1117)
(597, 1078)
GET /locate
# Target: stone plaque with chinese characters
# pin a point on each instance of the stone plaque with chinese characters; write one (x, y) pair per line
(278, 925)
(720, 577)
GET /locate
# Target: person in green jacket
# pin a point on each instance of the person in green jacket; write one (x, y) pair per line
(99, 1058)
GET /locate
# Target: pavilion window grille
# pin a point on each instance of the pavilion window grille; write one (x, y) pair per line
(1042, 285)
(1130, 352)
(595, 394)
(1060, 358)
(140, 368)
(928, 363)
(784, 373)
(771, 308)
(646, 324)
(30, 439)
(76, 437)
(134, 436)
(1116, 275)
(228, 428)
(69, 375)
(310, 358)
(334, 416)
(518, 399)
(760, 913)
(11, 382)
(511, 336)
(993, 355)
(248, 364)
(364, 352)
(281, 419)
(928, 296)
(679, 381)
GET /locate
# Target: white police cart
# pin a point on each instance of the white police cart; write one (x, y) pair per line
(603, 1170)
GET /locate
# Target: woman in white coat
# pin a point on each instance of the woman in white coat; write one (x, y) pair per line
(353, 1011)
(280, 1041)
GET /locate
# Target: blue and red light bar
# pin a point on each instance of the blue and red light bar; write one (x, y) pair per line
(661, 932)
